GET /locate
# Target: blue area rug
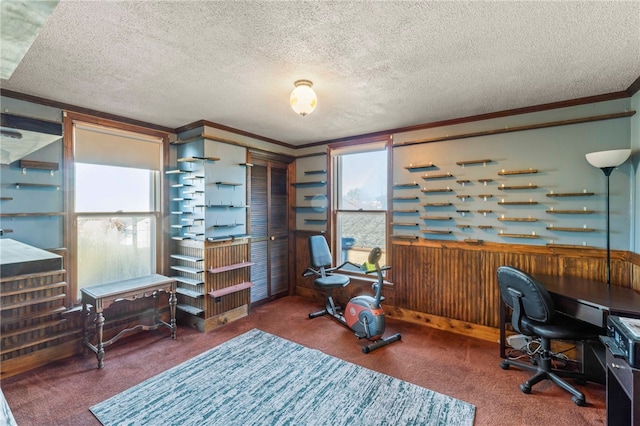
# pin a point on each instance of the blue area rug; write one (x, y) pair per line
(261, 379)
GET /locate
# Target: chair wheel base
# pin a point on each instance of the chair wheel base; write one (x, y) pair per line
(578, 401)
(525, 388)
(504, 365)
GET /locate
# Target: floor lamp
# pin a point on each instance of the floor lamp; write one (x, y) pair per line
(607, 161)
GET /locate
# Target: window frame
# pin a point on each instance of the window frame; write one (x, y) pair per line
(353, 146)
(160, 208)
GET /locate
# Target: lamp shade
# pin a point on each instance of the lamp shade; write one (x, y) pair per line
(611, 158)
(303, 99)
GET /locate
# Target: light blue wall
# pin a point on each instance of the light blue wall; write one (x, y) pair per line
(635, 174)
(558, 153)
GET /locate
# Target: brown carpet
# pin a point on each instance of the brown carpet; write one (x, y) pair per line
(465, 368)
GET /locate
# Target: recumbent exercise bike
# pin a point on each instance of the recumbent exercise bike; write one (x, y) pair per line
(363, 314)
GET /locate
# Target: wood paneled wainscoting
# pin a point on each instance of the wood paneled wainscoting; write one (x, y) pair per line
(452, 285)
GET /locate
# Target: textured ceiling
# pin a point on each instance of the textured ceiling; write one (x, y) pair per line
(375, 65)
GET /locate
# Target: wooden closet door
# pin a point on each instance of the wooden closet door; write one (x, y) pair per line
(269, 230)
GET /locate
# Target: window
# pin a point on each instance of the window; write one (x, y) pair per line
(360, 196)
(115, 223)
(116, 204)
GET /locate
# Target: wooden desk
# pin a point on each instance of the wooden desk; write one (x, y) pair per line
(100, 297)
(585, 300)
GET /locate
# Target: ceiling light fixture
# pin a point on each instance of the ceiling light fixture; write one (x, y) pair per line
(303, 99)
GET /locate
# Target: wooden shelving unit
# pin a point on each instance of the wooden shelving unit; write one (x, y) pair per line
(435, 231)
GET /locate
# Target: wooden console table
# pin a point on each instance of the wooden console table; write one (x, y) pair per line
(100, 297)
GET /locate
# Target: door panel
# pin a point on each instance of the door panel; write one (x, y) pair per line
(269, 230)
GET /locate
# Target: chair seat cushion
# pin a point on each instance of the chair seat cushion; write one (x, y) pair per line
(562, 328)
(332, 281)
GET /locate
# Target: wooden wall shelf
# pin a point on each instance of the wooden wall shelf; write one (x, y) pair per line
(36, 185)
(404, 198)
(47, 214)
(404, 237)
(570, 211)
(233, 267)
(505, 188)
(517, 219)
(517, 172)
(468, 162)
(315, 221)
(193, 159)
(404, 224)
(405, 185)
(419, 166)
(231, 289)
(463, 226)
(436, 204)
(570, 194)
(435, 217)
(440, 176)
(485, 196)
(175, 172)
(315, 172)
(223, 183)
(485, 227)
(485, 181)
(560, 228)
(405, 211)
(485, 211)
(6, 198)
(311, 183)
(437, 190)
(435, 231)
(518, 235)
(38, 165)
(516, 203)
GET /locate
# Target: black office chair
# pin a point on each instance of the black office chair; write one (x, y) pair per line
(534, 315)
(320, 256)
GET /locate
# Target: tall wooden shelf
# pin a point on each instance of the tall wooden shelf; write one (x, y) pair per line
(209, 210)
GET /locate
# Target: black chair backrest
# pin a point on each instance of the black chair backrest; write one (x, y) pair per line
(319, 251)
(525, 295)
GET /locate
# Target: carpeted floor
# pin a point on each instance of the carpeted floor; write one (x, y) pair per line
(261, 379)
(464, 368)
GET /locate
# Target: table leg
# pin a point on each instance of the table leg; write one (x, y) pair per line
(85, 331)
(173, 301)
(99, 321)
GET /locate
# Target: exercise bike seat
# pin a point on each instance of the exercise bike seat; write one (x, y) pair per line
(320, 256)
(332, 281)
